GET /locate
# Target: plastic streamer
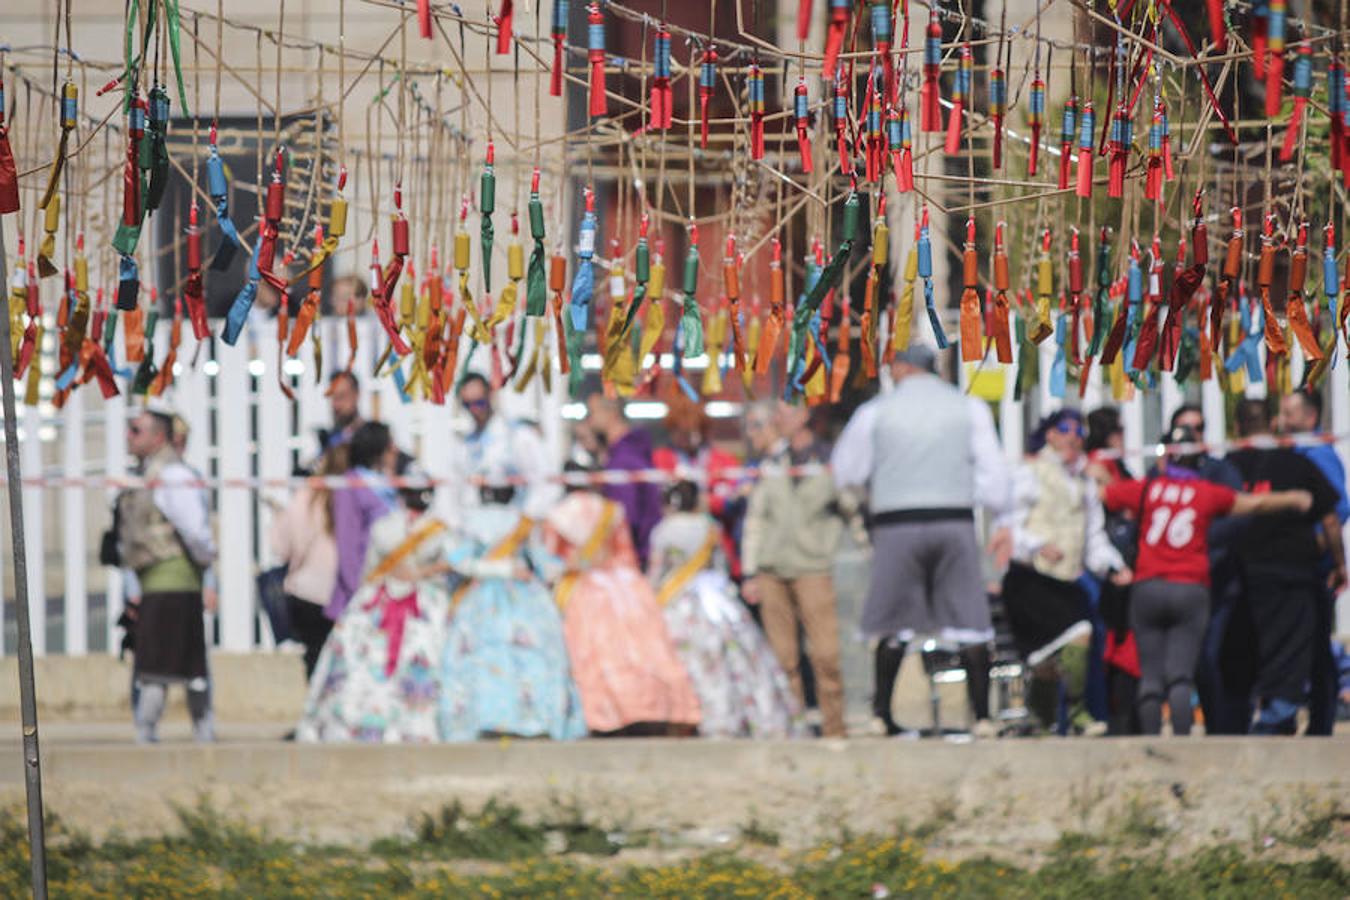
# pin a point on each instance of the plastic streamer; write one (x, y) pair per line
(583, 281)
(662, 100)
(219, 189)
(1294, 304)
(925, 269)
(1302, 90)
(970, 297)
(1232, 268)
(536, 286)
(691, 321)
(9, 174)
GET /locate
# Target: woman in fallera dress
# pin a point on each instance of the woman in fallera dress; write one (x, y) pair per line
(630, 677)
(377, 679)
(505, 669)
(741, 687)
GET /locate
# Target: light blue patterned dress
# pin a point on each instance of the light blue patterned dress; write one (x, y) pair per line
(505, 668)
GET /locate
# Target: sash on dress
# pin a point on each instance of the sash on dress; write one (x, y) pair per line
(567, 584)
(395, 611)
(506, 548)
(676, 581)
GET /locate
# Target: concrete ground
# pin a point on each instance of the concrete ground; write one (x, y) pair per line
(1014, 796)
(1011, 796)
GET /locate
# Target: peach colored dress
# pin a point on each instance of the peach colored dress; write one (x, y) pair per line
(623, 659)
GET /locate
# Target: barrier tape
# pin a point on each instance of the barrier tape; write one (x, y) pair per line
(621, 476)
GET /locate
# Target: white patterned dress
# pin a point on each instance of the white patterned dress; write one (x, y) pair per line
(377, 679)
(740, 685)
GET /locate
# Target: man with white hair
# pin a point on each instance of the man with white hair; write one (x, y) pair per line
(927, 455)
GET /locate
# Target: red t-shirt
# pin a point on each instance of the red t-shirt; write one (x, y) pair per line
(1176, 516)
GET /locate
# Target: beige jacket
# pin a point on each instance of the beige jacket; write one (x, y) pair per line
(792, 525)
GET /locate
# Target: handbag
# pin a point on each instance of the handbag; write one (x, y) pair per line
(272, 599)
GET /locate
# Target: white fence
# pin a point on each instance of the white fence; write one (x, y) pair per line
(242, 425)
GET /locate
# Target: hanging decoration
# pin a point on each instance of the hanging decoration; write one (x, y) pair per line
(925, 269)
(1001, 333)
(707, 83)
(559, 33)
(1294, 303)
(840, 111)
(901, 145)
(930, 101)
(1067, 129)
(595, 43)
(1130, 320)
(802, 115)
(1086, 133)
(662, 99)
(1302, 91)
(1265, 276)
(960, 97)
(1232, 268)
(1275, 66)
(998, 107)
(9, 174)
(193, 293)
(840, 12)
(219, 189)
(1035, 121)
(1045, 288)
(691, 321)
(69, 119)
(487, 205)
(772, 329)
(536, 288)
(970, 297)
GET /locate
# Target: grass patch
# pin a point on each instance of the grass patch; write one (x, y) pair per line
(501, 832)
(211, 856)
(757, 832)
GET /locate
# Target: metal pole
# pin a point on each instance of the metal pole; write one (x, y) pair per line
(32, 770)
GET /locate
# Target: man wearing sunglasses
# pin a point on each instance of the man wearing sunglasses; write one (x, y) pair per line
(1058, 532)
(164, 537)
(507, 448)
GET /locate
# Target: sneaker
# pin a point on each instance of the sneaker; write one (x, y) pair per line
(1074, 632)
(1086, 726)
(984, 730)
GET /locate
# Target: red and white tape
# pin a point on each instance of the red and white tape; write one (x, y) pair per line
(617, 476)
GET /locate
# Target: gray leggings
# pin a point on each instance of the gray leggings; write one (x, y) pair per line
(1169, 621)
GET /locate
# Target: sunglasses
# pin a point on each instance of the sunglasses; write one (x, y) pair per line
(1070, 426)
(475, 404)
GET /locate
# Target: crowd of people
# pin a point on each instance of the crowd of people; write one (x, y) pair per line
(591, 598)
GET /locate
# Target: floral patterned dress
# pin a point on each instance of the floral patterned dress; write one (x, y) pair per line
(623, 660)
(505, 668)
(741, 687)
(377, 678)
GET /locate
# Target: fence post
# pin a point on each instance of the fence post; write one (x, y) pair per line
(235, 561)
(74, 526)
(273, 443)
(114, 466)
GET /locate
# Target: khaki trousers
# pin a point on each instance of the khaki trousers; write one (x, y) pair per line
(809, 600)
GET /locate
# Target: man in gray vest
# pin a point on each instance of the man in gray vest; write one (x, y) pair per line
(926, 455)
(164, 537)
